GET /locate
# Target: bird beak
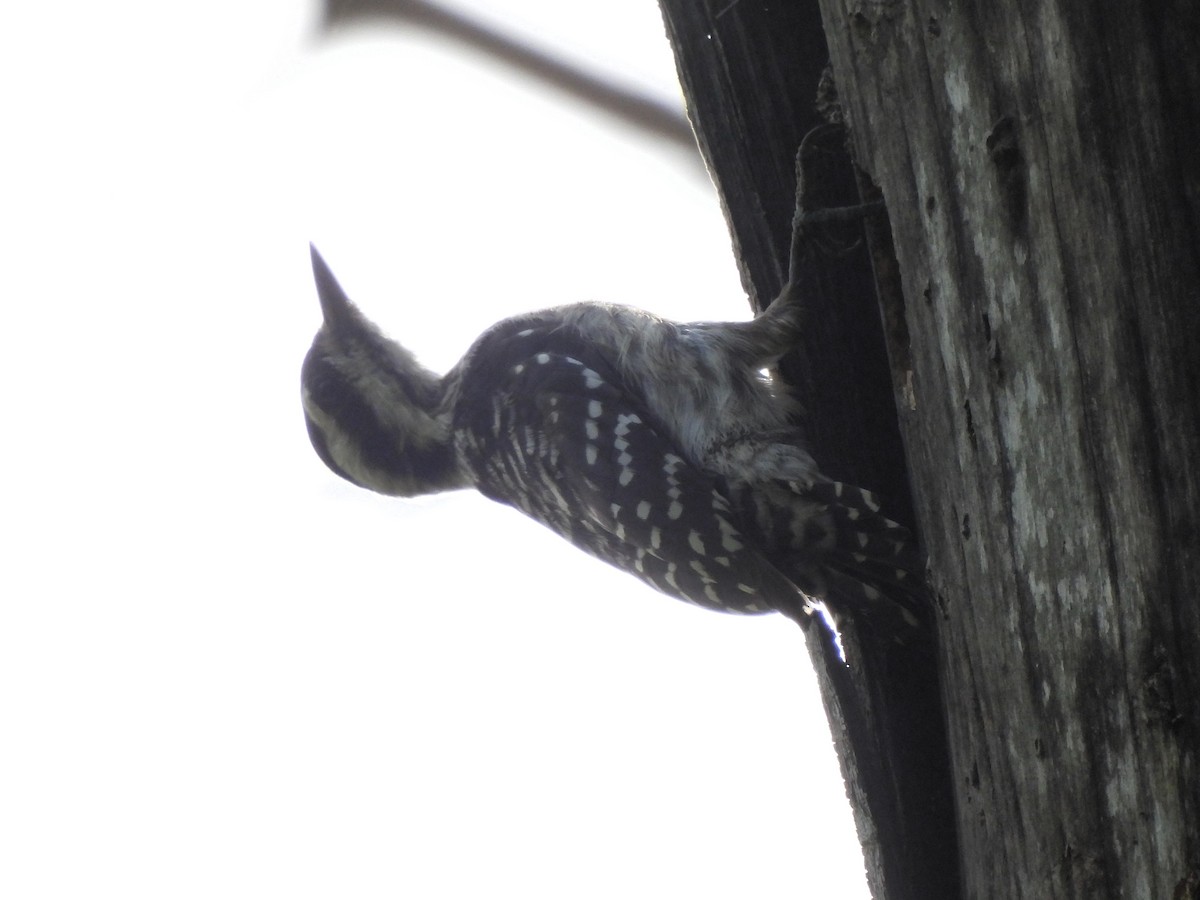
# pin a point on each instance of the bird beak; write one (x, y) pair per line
(335, 305)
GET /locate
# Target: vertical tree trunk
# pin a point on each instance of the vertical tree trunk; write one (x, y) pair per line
(1041, 169)
(751, 74)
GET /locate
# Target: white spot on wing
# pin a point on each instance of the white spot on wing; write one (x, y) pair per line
(729, 540)
(624, 421)
(671, 576)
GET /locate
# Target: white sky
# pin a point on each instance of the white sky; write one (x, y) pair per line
(225, 673)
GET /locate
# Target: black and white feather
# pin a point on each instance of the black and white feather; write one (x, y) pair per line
(662, 448)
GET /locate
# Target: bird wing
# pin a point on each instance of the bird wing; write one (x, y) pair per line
(559, 437)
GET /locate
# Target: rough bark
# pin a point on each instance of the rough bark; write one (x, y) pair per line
(1043, 186)
(1042, 178)
(751, 76)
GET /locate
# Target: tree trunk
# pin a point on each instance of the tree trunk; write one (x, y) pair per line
(1041, 169)
(750, 76)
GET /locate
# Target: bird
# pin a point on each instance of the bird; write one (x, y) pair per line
(666, 449)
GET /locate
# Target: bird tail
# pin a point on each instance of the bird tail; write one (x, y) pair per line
(873, 565)
(834, 543)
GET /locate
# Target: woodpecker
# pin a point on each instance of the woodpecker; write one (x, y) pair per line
(665, 449)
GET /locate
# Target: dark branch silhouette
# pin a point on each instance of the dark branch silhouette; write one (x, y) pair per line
(652, 117)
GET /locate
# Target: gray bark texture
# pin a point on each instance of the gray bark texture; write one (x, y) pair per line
(1037, 290)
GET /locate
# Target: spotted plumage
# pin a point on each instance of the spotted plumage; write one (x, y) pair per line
(660, 447)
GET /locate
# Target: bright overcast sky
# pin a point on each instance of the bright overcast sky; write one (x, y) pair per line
(225, 673)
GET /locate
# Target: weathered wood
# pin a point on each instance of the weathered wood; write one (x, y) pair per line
(750, 72)
(1041, 172)
(1040, 167)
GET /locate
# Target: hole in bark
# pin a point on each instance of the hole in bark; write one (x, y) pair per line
(1001, 143)
(1005, 152)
